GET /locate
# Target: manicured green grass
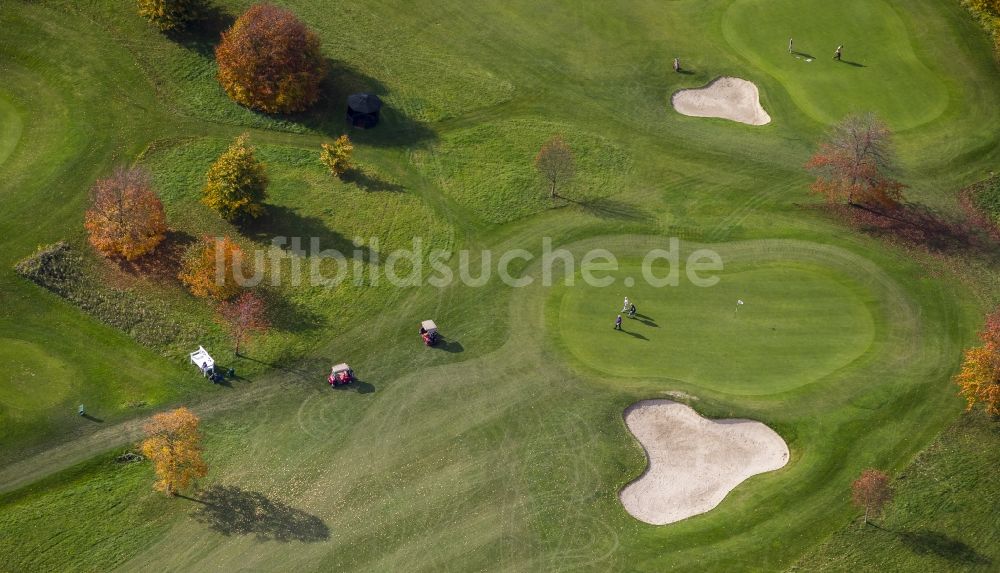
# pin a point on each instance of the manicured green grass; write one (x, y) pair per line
(879, 70)
(504, 448)
(816, 320)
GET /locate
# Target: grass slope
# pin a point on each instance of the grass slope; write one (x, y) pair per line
(501, 450)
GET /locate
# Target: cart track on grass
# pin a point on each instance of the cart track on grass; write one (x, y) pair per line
(67, 454)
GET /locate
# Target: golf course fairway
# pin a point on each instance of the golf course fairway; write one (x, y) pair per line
(506, 446)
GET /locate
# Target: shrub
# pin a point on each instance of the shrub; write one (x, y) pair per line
(337, 156)
(171, 14)
(125, 218)
(988, 14)
(236, 184)
(270, 61)
(214, 268)
(53, 267)
(146, 319)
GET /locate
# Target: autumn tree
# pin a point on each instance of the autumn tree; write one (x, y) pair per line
(979, 377)
(173, 444)
(856, 163)
(236, 184)
(216, 268)
(871, 491)
(555, 162)
(125, 218)
(270, 61)
(171, 14)
(244, 316)
(337, 156)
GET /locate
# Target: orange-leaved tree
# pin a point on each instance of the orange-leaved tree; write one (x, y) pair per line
(871, 491)
(171, 14)
(243, 316)
(337, 156)
(125, 218)
(215, 267)
(173, 443)
(236, 184)
(270, 61)
(856, 164)
(555, 162)
(979, 378)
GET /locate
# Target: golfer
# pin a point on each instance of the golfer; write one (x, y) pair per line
(677, 64)
(791, 45)
(618, 322)
(626, 305)
(836, 55)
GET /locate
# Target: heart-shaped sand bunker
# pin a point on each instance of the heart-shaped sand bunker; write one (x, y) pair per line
(693, 461)
(725, 97)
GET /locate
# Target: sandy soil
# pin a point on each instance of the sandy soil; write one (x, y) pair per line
(725, 97)
(693, 461)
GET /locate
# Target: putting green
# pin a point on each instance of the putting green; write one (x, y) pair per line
(880, 71)
(800, 322)
(33, 379)
(10, 128)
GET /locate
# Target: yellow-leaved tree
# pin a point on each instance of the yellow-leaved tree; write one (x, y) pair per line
(979, 378)
(173, 444)
(337, 156)
(236, 184)
(171, 14)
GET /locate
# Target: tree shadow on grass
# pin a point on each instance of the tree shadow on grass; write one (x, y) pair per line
(286, 315)
(608, 208)
(165, 261)
(231, 510)
(328, 115)
(202, 35)
(370, 182)
(281, 221)
(934, 543)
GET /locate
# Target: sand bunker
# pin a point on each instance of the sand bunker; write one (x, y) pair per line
(693, 461)
(725, 97)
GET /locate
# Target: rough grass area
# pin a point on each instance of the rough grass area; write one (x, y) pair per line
(489, 169)
(122, 513)
(943, 518)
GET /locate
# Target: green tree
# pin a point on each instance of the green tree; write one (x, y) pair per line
(171, 14)
(236, 184)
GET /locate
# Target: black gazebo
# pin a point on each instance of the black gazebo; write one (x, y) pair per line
(362, 110)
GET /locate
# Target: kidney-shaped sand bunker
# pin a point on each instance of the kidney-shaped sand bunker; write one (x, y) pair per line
(693, 461)
(725, 97)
